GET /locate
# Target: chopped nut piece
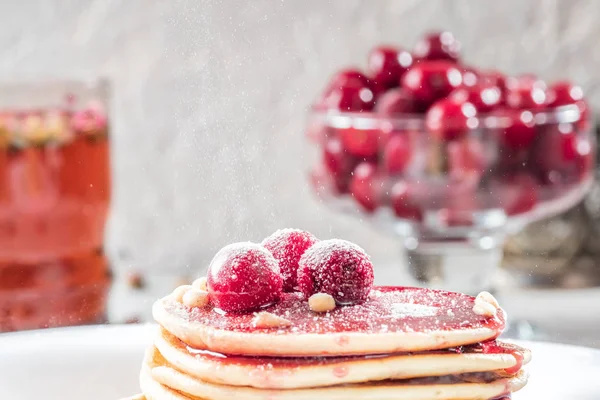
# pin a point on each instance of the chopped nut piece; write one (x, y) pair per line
(179, 292)
(195, 298)
(265, 319)
(321, 302)
(484, 309)
(201, 284)
(488, 298)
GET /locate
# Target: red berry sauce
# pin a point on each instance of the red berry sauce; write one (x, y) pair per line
(386, 309)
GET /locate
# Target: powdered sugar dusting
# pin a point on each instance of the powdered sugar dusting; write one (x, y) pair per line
(401, 310)
(378, 314)
(240, 250)
(287, 246)
(336, 267)
(326, 248)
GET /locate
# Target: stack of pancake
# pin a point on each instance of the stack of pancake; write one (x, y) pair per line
(402, 343)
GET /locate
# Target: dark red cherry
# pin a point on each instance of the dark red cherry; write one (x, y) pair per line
(466, 159)
(365, 186)
(450, 119)
(516, 194)
(338, 163)
(429, 81)
(564, 93)
(350, 98)
(584, 122)
(519, 131)
(526, 92)
(560, 155)
(438, 46)
(493, 78)
(403, 201)
(349, 77)
(244, 277)
(387, 64)
(397, 101)
(484, 97)
(360, 142)
(397, 153)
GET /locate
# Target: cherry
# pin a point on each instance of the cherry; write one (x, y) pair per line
(397, 101)
(360, 142)
(520, 132)
(244, 277)
(429, 81)
(526, 92)
(338, 163)
(560, 155)
(387, 65)
(397, 153)
(438, 46)
(403, 202)
(469, 74)
(449, 119)
(287, 246)
(516, 194)
(350, 98)
(564, 93)
(349, 77)
(364, 186)
(583, 124)
(466, 159)
(338, 268)
(493, 78)
(484, 97)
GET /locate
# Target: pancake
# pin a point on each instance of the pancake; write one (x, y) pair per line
(293, 373)
(135, 397)
(159, 380)
(391, 320)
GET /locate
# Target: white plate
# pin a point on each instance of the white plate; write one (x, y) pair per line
(102, 363)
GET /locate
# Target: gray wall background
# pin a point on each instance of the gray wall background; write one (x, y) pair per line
(210, 99)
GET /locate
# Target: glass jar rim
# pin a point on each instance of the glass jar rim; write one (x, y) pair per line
(371, 120)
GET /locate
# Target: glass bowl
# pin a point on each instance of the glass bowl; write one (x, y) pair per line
(451, 198)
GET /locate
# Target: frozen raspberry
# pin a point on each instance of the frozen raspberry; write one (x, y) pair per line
(287, 246)
(244, 277)
(338, 268)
